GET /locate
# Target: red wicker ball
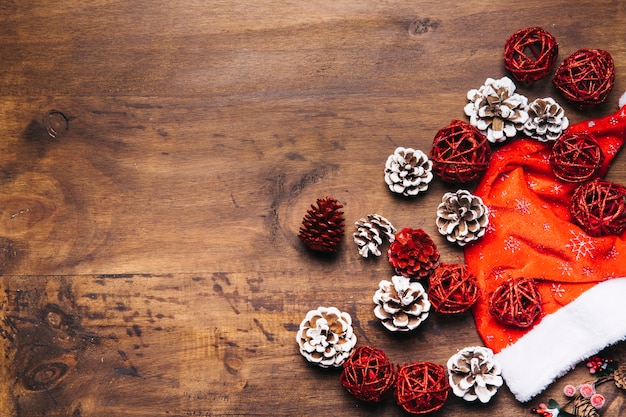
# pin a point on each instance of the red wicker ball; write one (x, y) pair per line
(460, 152)
(452, 289)
(599, 208)
(368, 374)
(413, 254)
(530, 54)
(586, 77)
(421, 387)
(516, 302)
(576, 157)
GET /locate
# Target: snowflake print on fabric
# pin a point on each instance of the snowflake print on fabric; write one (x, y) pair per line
(522, 206)
(557, 290)
(613, 253)
(556, 188)
(591, 123)
(498, 273)
(587, 271)
(546, 226)
(581, 245)
(512, 244)
(613, 121)
(566, 269)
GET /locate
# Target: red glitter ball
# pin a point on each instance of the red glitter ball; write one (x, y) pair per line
(460, 152)
(516, 302)
(599, 207)
(586, 77)
(421, 387)
(368, 374)
(530, 54)
(576, 157)
(322, 226)
(452, 289)
(413, 254)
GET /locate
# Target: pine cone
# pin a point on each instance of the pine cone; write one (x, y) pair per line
(619, 376)
(408, 171)
(370, 232)
(583, 408)
(413, 254)
(474, 374)
(326, 337)
(496, 110)
(546, 120)
(462, 217)
(322, 226)
(401, 305)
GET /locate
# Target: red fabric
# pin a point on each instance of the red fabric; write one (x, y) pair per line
(530, 234)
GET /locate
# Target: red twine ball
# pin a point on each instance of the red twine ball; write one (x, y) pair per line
(599, 207)
(368, 374)
(460, 152)
(530, 54)
(516, 302)
(322, 226)
(421, 387)
(586, 77)
(413, 253)
(452, 289)
(576, 157)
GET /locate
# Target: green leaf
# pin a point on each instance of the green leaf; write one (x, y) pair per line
(553, 404)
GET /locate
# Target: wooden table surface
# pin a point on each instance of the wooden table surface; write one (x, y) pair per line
(157, 158)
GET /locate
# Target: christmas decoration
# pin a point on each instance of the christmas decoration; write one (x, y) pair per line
(408, 171)
(460, 152)
(421, 387)
(462, 217)
(599, 207)
(620, 377)
(326, 337)
(516, 302)
(452, 289)
(586, 77)
(322, 226)
(401, 305)
(530, 54)
(496, 110)
(474, 374)
(576, 157)
(368, 374)
(370, 232)
(546, 120)
(413, 254)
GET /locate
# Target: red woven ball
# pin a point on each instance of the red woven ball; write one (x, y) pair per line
(368, 374)
(576, 157)
(421, 387)
(460, 152)
(599, 208)
(516, 302)
(452, 289)
(586, 77)
(530, 54)
(413, 254)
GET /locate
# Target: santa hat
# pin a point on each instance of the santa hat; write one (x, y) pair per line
(581, 279)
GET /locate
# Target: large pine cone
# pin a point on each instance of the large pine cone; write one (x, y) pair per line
(584, 408)
(462, 217)
(413, 254)
(370, 232)
(474, 374)
(322, 226)
(619, 376)
(401, 305)
(408, 171)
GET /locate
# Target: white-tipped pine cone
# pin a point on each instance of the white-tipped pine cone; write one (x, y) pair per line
(474, 374)
(370, 232)
(408, 171)
(401, 305)
(462, 217)
(496, 109)
(326, 337)
(546, 120)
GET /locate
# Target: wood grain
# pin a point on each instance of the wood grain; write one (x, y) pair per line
(157, 159)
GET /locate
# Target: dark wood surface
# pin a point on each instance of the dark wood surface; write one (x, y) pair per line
(149, 253)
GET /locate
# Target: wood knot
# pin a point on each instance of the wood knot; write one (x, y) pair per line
(45, 376)
(420, 26)
(56, 123)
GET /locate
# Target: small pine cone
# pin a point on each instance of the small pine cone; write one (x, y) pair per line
(413, 254)
(584, 408)
(546, 120)
(401, 305)
(408, 171)
(474, 374)
(462, 217)
(370, 232)
(619, 376)
(322, 226)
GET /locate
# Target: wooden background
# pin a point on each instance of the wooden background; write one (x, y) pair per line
(149, 253)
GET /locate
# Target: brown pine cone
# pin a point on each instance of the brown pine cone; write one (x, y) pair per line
(462, 217)
(370, 232)
(401, 305)
(583, 408)
(619, 376)
(322, 226)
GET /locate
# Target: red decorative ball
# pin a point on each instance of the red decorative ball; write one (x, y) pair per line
(322, 226)
(586, 77)
(421, 387)
(368, 374)
(599, 207)
(452, 289)
(460, 152)
(516, 302)
(413, 254)
(576, 157)
(530, 54)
